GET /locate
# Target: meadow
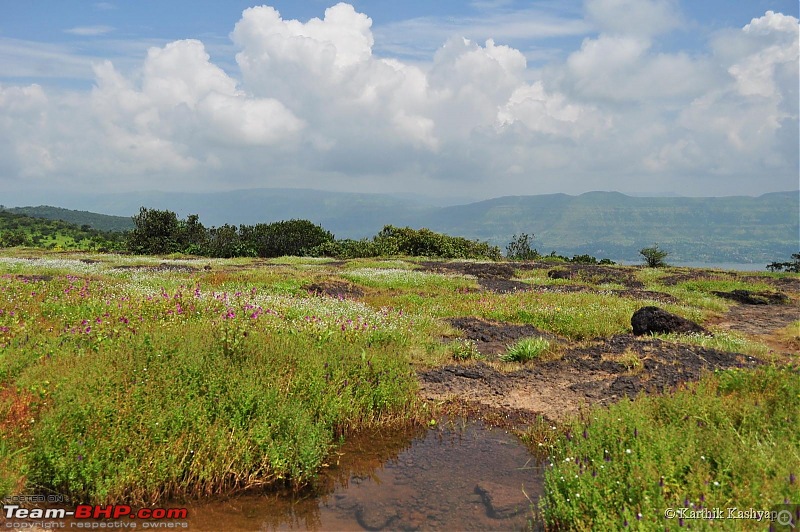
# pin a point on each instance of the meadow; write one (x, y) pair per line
(140, 379)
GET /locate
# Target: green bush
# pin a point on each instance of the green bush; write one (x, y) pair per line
(426, 243)
(278, 239)
(654, 257)
(520, 248)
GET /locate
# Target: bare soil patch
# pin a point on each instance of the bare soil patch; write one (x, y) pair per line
(338, 289)
(599, 372)
(492, 338)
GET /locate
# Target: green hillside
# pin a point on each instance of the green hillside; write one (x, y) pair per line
(101, 222)
(731, 229)
(22, 230)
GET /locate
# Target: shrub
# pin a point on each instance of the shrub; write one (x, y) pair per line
(654, 257)
(520, 248)
(292, 237)
(426, 243)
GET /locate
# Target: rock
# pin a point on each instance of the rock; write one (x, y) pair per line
(502, 501)
(655, 320)
(560, 274)
(754, 298)
(376, 516)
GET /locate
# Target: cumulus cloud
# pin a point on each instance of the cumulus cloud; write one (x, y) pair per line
(312, 104)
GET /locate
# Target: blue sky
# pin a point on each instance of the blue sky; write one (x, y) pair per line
(489, 97)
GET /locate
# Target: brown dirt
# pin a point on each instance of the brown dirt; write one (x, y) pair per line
(595, 373)
(339, 289)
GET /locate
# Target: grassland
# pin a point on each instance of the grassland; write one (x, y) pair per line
(137, 379)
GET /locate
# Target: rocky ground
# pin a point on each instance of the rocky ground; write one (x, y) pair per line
(599, 371)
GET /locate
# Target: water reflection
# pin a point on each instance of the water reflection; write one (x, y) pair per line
(456, 476)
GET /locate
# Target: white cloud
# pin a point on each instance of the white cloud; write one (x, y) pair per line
(88, 31)
(313, 105)
(634, 17)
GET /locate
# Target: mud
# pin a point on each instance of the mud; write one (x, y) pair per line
(600, 372)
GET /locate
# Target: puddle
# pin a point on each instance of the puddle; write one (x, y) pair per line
(457, 476)
(453, 477)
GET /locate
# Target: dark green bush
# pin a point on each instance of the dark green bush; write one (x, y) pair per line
(426, 243)
(13, 238)
(292, 237)
(520, 248)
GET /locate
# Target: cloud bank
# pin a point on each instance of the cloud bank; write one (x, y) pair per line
(313, 105)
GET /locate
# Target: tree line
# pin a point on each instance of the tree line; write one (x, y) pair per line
(158, 232)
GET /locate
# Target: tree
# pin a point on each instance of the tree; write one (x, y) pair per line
(654, 257)
(520, 248)
(16, 237)
(793, 266)
(155, 232)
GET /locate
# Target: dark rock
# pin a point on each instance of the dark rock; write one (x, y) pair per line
(648, 320)
(560, 274)
(501, 501)
(502, 286)
(754, 298)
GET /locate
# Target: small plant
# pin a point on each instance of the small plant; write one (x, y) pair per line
(465, 350)
(654, 257)
(520, 248)
(525, 350)
(630, 359)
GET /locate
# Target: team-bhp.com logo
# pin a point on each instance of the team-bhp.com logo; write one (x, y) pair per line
(16, 516)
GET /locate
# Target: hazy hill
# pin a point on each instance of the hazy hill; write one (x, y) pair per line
(101, 222)
(730, 229)
(604, 224)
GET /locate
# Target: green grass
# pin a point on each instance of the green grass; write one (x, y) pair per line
(525, 350)
(145, 389)
(722, 340)
(139, 385)
(729, 440)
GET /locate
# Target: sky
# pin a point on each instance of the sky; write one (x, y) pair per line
(469, 99)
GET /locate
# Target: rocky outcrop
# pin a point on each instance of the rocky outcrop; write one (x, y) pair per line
(648, 320)
(754, 298)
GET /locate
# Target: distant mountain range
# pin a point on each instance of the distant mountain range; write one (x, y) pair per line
(603, 224)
